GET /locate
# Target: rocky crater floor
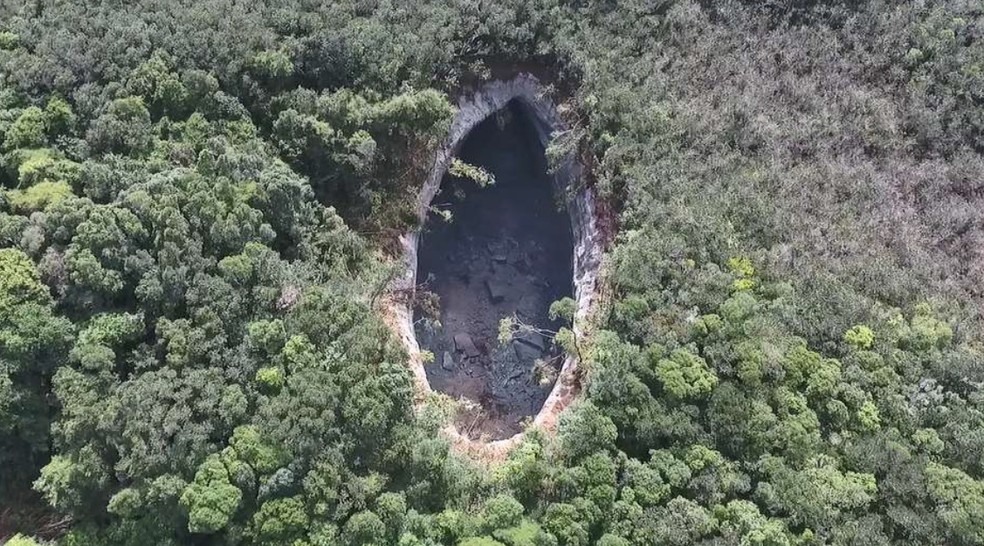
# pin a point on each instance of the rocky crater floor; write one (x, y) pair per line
(506, 251)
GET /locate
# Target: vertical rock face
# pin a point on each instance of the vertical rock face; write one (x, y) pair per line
(528, 96)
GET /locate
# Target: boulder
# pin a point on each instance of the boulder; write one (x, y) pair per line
(497, 290)
(528, 306)
(532, 339)
(447, 362)
(526, 353)
(463, 344)
(504, 273)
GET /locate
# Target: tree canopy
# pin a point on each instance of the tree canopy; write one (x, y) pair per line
(198, 202)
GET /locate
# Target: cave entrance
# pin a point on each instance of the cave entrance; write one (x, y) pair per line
(506, 251)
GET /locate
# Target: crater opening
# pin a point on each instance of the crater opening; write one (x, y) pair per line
(506, 252)
(516, 235)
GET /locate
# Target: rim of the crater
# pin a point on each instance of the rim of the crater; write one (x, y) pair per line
(568, 181)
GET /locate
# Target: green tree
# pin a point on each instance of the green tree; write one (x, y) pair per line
(123, 128)
(364, 528)
(59, 118)
(959, 502)
(159, 87)
(501, 512)
(685, 375)
(480, 541)
(33, 342)
(211, 500)
(280, 521)
(586, 430)
(27, 131)
(21, 540)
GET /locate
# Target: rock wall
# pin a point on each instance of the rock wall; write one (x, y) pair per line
(580, 204)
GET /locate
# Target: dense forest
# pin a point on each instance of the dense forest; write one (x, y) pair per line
(198, 203)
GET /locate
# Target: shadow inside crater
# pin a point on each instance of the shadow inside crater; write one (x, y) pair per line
(507, 250)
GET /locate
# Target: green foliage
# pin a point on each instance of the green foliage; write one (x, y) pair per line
(564, 522)
(211, 500)
(959, 501)
(480, 541)
(682, 521)
(612, 540)
(392, 510)
(474, 173)
(501, 512)
(819, 495)
(267, 335)
(95, 347)
(586, 430)
(685, 375)
(158, 86)
(8, 40)
(524, 470)
(741, 266)
(33, 341)
(254, 450)
(743, 522)
(21, 540)
(193, 214)
(70, 483)
(563, 309)
(126, 503)
(364, 528)
(19, 281)
(123, 128)
(526, 533)
(27, 131)
(59, 119)
(927, 332)
(43, 165)
(566, 339)
(272, 65)
(279, 521)
(859, 337)
(868, 416)
(928, 440)
(270, 379)
(38, 197)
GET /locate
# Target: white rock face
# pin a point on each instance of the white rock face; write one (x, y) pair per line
(580, 204)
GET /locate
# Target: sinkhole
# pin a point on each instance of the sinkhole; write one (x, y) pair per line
(509, 250)
(506, 251)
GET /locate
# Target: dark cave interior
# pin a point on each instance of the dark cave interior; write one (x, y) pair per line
(507, 251)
